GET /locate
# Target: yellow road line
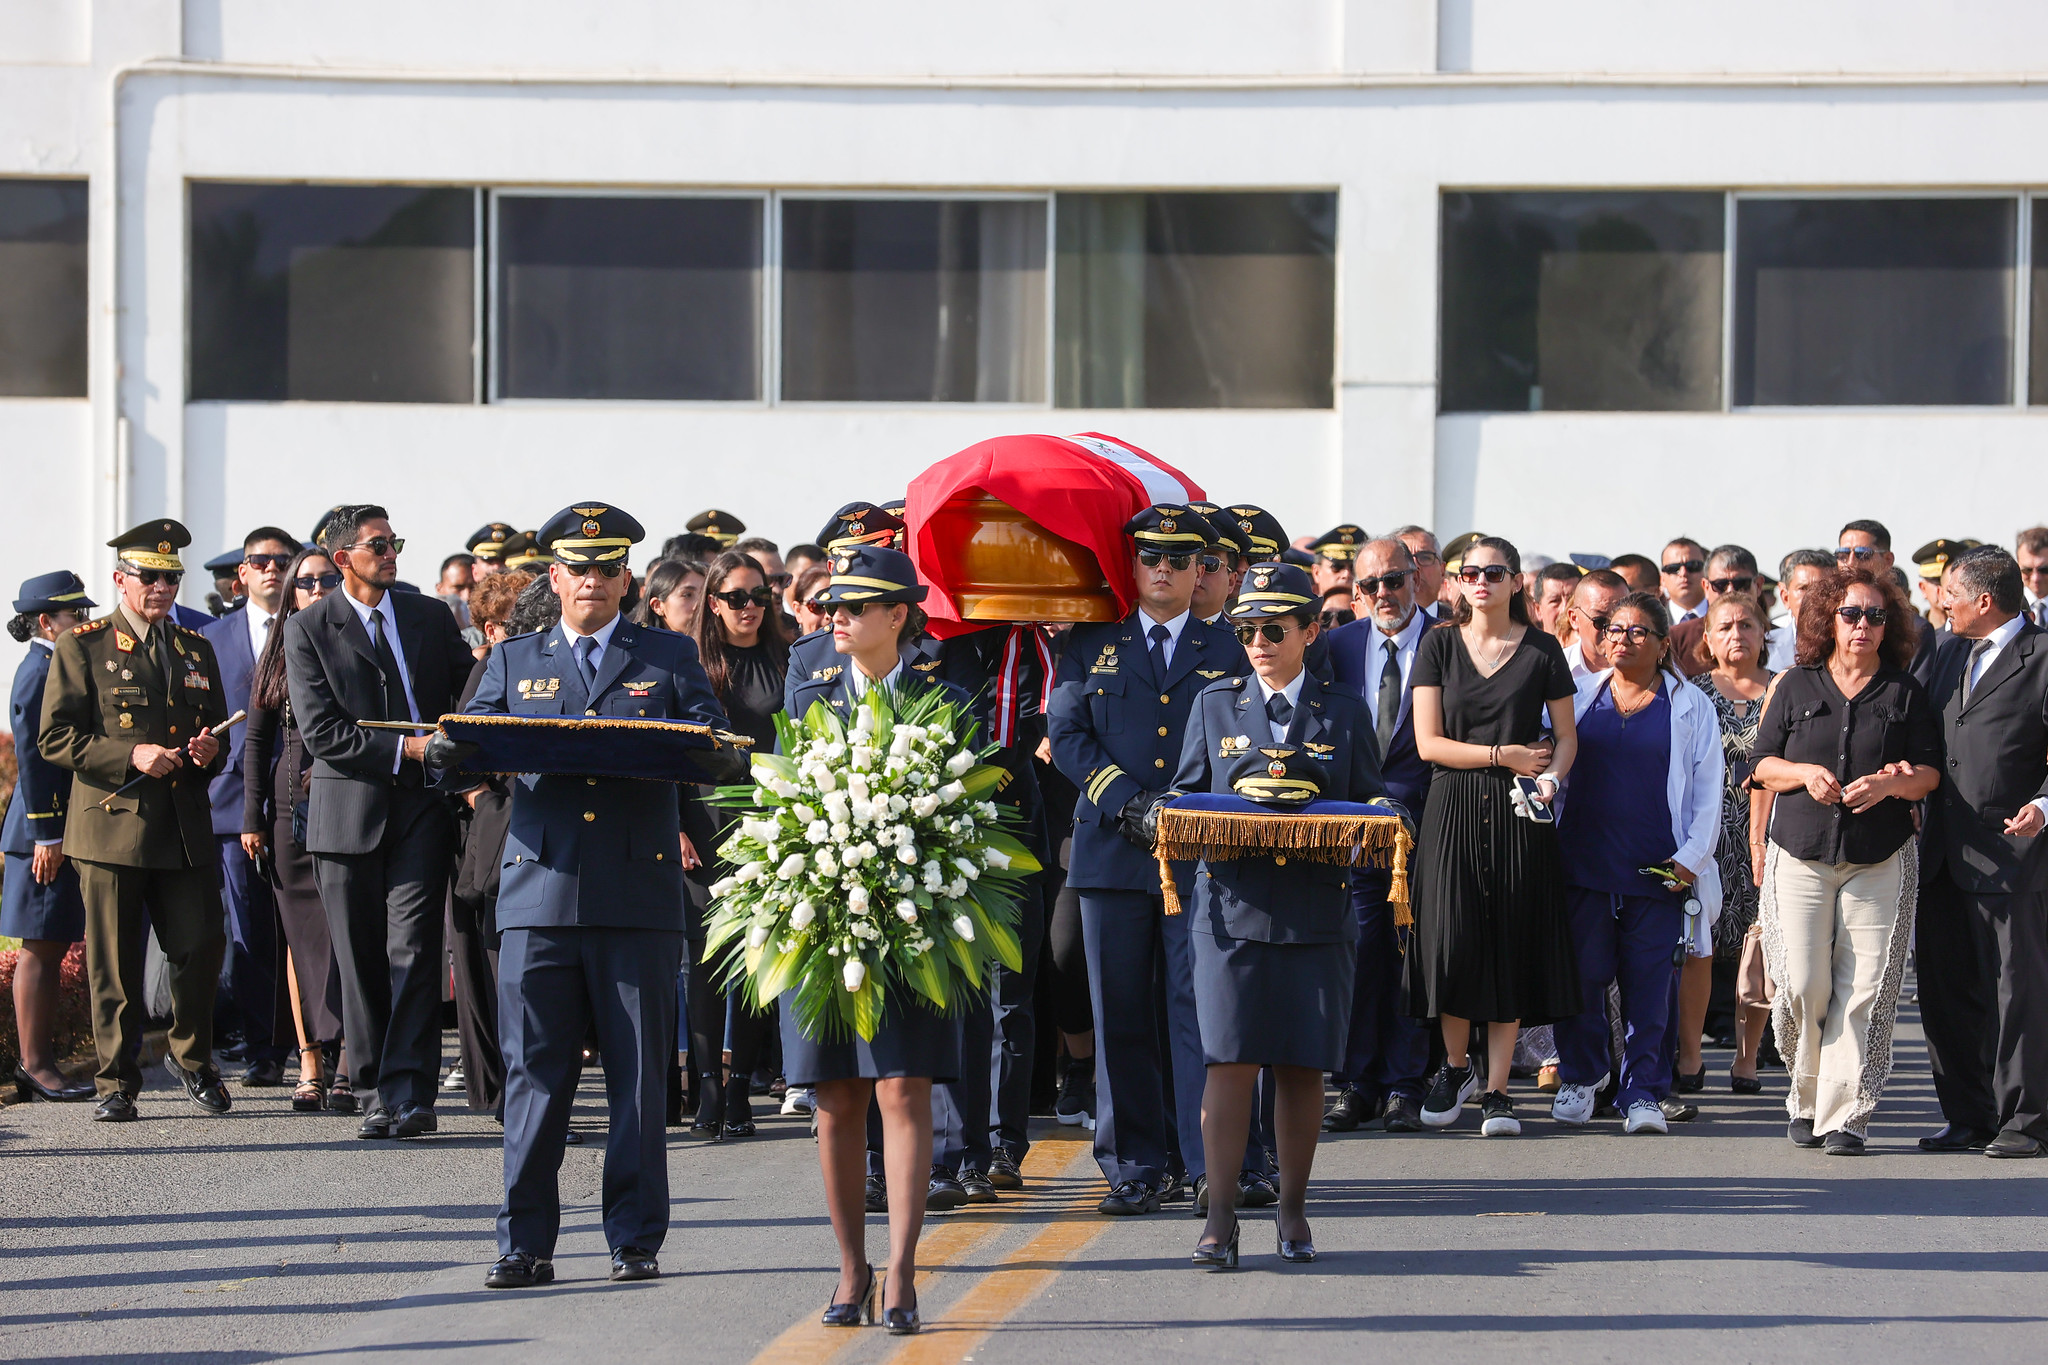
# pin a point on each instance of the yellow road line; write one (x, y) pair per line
(810, 1342)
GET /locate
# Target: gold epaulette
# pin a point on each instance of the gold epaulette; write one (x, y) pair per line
(187, 630)
(90, 626)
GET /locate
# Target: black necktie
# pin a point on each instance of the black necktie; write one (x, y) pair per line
(160, 650)
(1159, 635)
(1977, 651)
(586, 645)
(1390, 696)
(395, 704)
(1281, 712)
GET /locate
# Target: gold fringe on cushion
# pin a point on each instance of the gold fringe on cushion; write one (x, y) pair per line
(1346, 840)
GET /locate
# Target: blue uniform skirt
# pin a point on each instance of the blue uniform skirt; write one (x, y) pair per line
(1273, 1004)
(31, 910)
(914, 1040)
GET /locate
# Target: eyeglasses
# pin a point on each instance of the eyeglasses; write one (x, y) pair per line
(818, 605)
(308, 582)
(1876, 616)
(1635, 635)
(1151, 560)
(261, 561)
(1845, 553)
(739, 599)
(1425, 558)
(149, 578)
(1370, 587)
(612, 570)
(1212, 563)
(1725, 585)
(380, 546)
(1598, 623)
(1492, 573)
(1678, 566)
(1273, 631)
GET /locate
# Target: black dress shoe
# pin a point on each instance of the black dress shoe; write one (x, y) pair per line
(520, 1270)
(1254, 1191)
(1004, 1173)
(975, 1184)
(1955, 1138)
(1176, 1188)
(1800, 1133)
(635, 1263)
(71, 1092)
(375, 1124)
(1201, 1199)
(269, 1071)
(742, 1128)
(1842, 1142)
(2011, 1144)
(117, 1107)
(1350, 1109)
(203, 1087)
(1745, 1085)
(944, 1192)
(1403, 1114)
(1128, 1199)
(414, 1120)
(877, 1195)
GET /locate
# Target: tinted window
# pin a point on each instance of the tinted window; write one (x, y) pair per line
(42, 288)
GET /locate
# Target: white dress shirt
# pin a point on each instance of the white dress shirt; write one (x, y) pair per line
(603, 636)
(860, 682)
(1173, 630)
(1292, 692)
(259, 622)
(390, 615)
(1575, 655)
(1407, 641)
(1779, 646)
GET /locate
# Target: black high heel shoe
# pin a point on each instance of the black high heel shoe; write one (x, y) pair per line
(1217, 1255)
(902, 1322)
(860, 1312)
(27, 1087)
(1295, 1253)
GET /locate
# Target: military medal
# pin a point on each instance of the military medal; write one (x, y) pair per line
(127, 721)
(110, 665)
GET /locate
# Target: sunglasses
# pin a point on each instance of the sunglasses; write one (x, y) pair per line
(1473, 573)
(1212, 563)
(149, 578)
(260, 561)
(1725, 585)
(779, 581)
(308, 582)
(379, 546)
(850, 608)
(1876, 616)
(1635, 635)
(1151, 559)
(1849, 552)
(1273, 631)
(1678, 566)
(1598, 623)
(1370, 587)
(1424, 558)
(612, 570)
(739, 599)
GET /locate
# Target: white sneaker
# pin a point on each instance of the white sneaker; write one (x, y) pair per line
(798, 1100)
(1645, 1117)
(1574, 1103)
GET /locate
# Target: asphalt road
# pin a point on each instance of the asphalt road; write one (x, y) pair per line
(267, 1234)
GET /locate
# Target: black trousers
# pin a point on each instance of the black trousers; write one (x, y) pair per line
(2019, 1074)
(1954, 953)
(473, 953)
(384, 912)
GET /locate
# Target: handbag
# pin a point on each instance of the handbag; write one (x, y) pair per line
(1753, 985)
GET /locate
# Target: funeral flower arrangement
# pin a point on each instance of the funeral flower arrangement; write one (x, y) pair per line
(868, 861)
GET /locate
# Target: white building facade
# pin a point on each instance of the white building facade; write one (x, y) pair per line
(1583, 273)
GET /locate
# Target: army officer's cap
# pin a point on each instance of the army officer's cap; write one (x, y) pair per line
(153, 545)
(1340, 544)
(590, 533)
(723, 527)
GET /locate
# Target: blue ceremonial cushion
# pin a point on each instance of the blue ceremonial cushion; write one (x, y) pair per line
(579, 746)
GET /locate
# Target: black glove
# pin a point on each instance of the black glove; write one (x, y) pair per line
(1138, 821)
(445, 754)
(728, 765)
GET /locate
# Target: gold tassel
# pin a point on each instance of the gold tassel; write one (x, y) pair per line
(1345, 840)
(1167, 888)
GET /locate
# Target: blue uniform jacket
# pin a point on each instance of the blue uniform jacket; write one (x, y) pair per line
(42, 792)
(595, 852)
(813, 659)
(1267, 899)
(229, 635)
(1352, 648)
(1116, 731)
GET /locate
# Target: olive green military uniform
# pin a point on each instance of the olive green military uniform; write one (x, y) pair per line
(113, 685)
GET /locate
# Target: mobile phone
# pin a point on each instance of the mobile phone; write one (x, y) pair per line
(1538, 810)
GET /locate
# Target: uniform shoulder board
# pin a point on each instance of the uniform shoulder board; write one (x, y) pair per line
(90, 626)
(187, 630)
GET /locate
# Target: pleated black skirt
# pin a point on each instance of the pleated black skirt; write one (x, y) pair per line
(913, 1040)
(1492, 937)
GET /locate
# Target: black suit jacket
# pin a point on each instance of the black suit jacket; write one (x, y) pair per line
(335, 682)
(1996, 762)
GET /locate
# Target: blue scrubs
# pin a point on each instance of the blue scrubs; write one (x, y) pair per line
(1616, 820)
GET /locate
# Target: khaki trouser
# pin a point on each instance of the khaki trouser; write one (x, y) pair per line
(184, 912)
(1836, 938)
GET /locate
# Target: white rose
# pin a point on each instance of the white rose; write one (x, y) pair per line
(906, 911)
(828, 866)
(851, 855)
(957, 887)
(842, 830)
(801, 914)
(995, 858)
(826, 782)
(857, 900)
(964, 927)
(724, 885)
(867, 850)
(907, 855)
(804, 814)
(757, 936)
(752, 872)
(951, 792)
(959, 763)
(792, 866)
(853, 973)
(967, 869)
(818, 832)
(924, 807)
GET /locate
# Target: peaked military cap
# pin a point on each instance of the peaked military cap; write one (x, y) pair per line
(1587, 563)
(1170, 528)
(59, 591)
(872, 573)
(590, 533)
(1272, 589)
(523, 551)
(153, 545)
(224, 563)
(1223, 532)
(899, 508)
(723, 527)
(1276, 775)
(860, 523)
(488, 541)
(1297, 556)
(1455, 552)
(1934, 556)
(1340, 544)
(1262, 533)
(320, 526)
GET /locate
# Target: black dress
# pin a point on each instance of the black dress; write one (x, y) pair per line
(275, 766)
(1492, 938)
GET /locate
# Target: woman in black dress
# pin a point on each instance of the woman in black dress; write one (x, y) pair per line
(1492, 938)
(276, 766)
(744, 645)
